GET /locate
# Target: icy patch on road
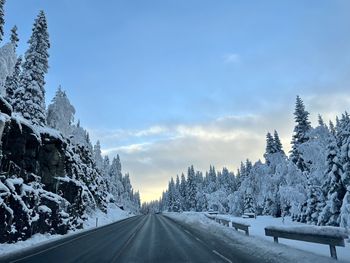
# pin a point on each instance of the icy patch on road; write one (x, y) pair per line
(294, 251)
(114, 214)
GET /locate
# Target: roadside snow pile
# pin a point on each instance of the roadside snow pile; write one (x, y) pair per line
(238, 220)
(114, 214)
(294, 251)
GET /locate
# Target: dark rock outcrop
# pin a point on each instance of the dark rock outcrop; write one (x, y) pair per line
(46, 183)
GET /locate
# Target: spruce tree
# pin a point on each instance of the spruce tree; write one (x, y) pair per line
(332, 187)
(300, 136)
(2, 20)
(183, 187)
(248, 167)
(12, 82)
(269, 144)
(270, 149)
(191, 190)
(30, 97)
(98, 157)
(320, 121)
(332, 128)
(14, 36)
(314, 206)
(60, 113)
(277, 143)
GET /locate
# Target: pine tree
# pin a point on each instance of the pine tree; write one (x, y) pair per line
(212, 185)
(12, 82)
(183, 187)
(30, 97)
(314, 206)
(98, 157)
(170, 199)
(248, 167)
(332, 187)
(2, 20)
(60, 113)
(332, 128)
(345, 210)
(243, 171)
(320, 121)
(14, 37)
(191, 190)
(269, 144)
(277, 143)
(300, 134)
(116, 179)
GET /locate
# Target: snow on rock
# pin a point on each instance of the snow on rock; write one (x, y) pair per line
(44, 209)
(287, 250)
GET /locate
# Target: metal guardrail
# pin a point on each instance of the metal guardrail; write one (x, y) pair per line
(321, 238)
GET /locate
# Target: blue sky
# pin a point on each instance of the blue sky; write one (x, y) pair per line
(167, 84)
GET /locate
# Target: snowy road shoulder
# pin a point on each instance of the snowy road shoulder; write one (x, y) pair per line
(258, 244)
(113, 215)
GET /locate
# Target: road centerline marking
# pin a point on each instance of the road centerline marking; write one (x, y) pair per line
(223, 257)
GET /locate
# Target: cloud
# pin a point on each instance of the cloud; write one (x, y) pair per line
(231, 58)
(224, 141)
(155, 154)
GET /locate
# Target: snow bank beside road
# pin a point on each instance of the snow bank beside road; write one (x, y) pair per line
(114, 214)
(295, 251)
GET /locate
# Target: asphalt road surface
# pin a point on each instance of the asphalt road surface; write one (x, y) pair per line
(150, 238)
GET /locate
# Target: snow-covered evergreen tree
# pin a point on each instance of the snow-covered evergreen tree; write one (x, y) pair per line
(14, 36)
(12, 82)
(345, 178)
(345, 210)
(300, 134)
(277, 143)
(115, 175)
(60, 113)
(315, 199)
(98, 156)
(30, 97)
(183, 194)
(2, 20)
(332, 187)
(270, 144)
(332, 128)
(191, 189)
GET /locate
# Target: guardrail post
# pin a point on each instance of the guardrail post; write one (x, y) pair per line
(333, 251)
(96, 221)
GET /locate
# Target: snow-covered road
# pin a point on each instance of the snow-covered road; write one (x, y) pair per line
(157, 238)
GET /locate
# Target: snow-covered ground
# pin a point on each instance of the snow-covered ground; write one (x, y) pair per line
(257, 230)
(114, 214)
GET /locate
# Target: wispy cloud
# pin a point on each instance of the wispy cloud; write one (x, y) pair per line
(154, 154)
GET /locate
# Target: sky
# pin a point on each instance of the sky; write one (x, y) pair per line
(170, 83)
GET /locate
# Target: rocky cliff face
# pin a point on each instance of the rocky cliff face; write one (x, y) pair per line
(47, 184)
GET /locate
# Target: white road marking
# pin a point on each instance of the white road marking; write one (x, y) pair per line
(223, 257)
